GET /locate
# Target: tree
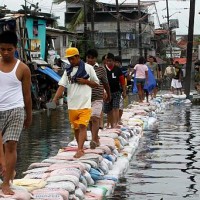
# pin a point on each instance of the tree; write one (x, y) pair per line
(81, 16)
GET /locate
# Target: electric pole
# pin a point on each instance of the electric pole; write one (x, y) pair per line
(92, 22)
(189, 48)
(85, 27)
(118, 29)
(169, 30)
(140, 29)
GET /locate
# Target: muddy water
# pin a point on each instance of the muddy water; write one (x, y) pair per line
(165, 166)
(167, 163)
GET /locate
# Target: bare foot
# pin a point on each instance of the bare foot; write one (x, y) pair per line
(13, 177)
(79, 153)
(6, 189)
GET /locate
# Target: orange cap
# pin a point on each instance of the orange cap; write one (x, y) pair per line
(72, 51)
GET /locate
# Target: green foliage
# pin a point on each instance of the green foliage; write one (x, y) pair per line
(77, 20)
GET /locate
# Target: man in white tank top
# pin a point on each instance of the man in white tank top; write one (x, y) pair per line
(15, 105)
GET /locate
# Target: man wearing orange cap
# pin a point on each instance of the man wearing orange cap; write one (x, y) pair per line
(79, 79)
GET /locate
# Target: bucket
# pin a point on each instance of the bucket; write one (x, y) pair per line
(60, 101)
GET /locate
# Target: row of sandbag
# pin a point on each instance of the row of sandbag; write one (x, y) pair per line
(94, 175)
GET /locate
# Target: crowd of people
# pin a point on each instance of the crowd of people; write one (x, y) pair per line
(92, 89)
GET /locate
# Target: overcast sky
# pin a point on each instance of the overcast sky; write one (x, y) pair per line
(178, 9)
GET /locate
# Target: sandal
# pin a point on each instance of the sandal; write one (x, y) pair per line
(79, 153)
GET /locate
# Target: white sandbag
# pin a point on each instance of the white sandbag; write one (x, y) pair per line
(36, 170)
(79, 193)
(50, 196)
(104, 167)
(152, 123)
(66, 171)
(88, 178)
(67, 185)
(62, 192)
(37, 175)
(58, 178)
(82, 187)
(57, 166)
(38, 165)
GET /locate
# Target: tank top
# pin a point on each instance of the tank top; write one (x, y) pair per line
(11, 95)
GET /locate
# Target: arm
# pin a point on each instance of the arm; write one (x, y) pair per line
(107, 89)
(59, 93)
(146, 76)
(26, 89)
(93, 82)
(122, 83)
(105, 83)
(90, 83)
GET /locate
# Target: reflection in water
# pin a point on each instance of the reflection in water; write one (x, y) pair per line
(192, 158)
(43, 139)
(166, 163)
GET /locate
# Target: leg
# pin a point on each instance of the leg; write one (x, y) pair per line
(115, 116)
(139, 87)
(10, 148)
(2, 157)
(109, 119)
(82, 134)
(76, 133)
(94, 130)
(101, 124)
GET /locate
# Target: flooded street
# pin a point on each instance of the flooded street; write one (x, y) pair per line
(165, 166)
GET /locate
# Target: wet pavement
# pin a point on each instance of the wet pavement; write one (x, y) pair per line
(165, 166)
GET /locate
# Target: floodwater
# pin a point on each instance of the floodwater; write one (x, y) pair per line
(166, 165)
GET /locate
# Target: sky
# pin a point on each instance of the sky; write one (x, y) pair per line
(178, 9)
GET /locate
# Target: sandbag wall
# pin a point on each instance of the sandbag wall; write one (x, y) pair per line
(95, 175)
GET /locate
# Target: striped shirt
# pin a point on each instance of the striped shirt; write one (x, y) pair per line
(97, 92)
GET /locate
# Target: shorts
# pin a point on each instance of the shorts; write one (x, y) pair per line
(140, 81)
(121, 103)
(11, 124)
(77, 117)
(97, 106)
(176, 83)
(114, 103)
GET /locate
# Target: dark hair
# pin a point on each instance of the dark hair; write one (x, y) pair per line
(9, 37)
(103, 57)
(141, 60)
(92, 52)
(118, 59)
(110, 56)
(151, 57)
(176, 62)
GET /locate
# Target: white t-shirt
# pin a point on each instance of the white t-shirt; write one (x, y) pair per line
(140, 70)
(79, 96)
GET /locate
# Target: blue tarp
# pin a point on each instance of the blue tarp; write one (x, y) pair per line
(48, 71)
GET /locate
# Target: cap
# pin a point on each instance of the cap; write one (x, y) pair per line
(72, 51)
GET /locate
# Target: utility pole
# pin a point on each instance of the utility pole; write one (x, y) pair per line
(189, 48)
(169, 31)
(140, 29)
(85, 28)
(118, 30)
(92, 22)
